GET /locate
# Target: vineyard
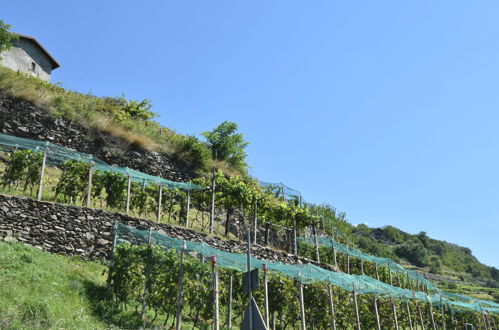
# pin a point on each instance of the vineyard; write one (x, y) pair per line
(166, 280)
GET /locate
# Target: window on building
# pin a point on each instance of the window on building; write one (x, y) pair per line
(33, 66)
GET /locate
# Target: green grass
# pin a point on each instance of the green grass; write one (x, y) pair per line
(41, 290)
(105, 114)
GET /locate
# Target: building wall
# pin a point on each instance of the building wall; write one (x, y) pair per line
(21, 57)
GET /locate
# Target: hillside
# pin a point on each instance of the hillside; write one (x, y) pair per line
(41, 290)
(106, 128)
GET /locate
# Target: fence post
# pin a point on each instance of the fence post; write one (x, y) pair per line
(266, 293)
(331, 306)
(128, 194)
(267, 225)
(180, 296)
(394, 308)
(89, 191)
(295, 238)
(431, 315)
(317, 254)
(212, 211)
(452, 317)
(160, 195)
(377, 273)
(188, 207)
(483, 318)
(357, 317)
(255, 221)
(302, 305)
(444, 326)
(409, 313)
(335, 259)
(378, 323)
(229, 312)
(216, 323)
(421, 321)
(42, 173)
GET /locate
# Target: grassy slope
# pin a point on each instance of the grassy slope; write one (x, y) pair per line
(105, 114)
(40, 290)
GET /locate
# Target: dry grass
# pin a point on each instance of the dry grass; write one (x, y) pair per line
(102, 113)
(131, 137)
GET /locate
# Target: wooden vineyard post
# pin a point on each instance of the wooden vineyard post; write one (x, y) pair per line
(331, 307)
(295, 238)
(378, 323)
(335, 259)
(390, 273)
(432, 318)
(377, 273)
(317, 254)
(302, 305)
(266, 293)
(180, 296)
(362, 266)
(421, 321)
(357, 317)
(255, 223)
(483, 318)
(394, 308)
(160, 195)
(442, 311)
(129, 185)
(147, 279)
(89, 186)
(216, 323)
(212, 211)
(229, 311)
(188, 208)
(493, 321)
(348, 260)
(409, 313)
(453, 322)
(42, 173)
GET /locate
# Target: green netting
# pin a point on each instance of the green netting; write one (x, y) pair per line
(395, 267)
(57, 155)
(328, 241)
(307, 273)
(280, 188)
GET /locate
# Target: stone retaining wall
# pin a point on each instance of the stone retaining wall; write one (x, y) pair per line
(70, 230)
(23, 119)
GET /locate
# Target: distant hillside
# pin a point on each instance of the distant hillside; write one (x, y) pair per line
(439, 260)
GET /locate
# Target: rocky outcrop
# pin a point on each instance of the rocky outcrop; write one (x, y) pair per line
(24, 119)
(88, 233)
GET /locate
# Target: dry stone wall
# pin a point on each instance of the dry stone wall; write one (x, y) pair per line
(70, 230)
(23, 119)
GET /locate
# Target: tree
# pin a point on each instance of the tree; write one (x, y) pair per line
(6, 37)
(227, 145)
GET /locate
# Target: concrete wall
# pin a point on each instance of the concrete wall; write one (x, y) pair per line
(23, 53)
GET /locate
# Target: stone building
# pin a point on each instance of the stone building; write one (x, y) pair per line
(27, 55)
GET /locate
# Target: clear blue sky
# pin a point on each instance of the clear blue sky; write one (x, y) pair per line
(388, 110)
